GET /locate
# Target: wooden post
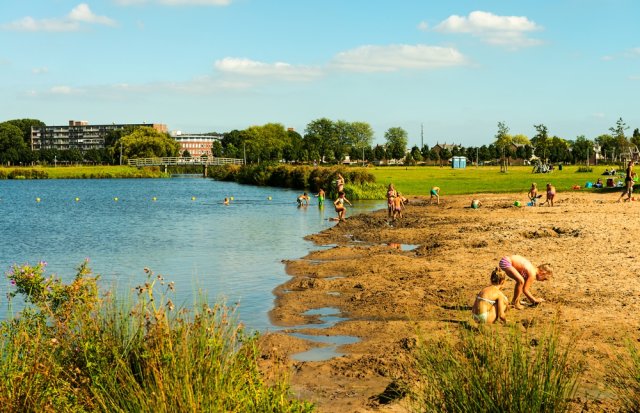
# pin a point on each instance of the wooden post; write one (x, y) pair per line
(204, 170)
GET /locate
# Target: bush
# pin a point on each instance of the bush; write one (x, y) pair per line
(74, 350)
(584, 169)
(493, 372)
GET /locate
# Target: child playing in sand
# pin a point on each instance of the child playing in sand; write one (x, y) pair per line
(435, 192)
(524, 273)
(491, 303)
(533, 194)
(398, 206)
(551, 194)
(339, 204)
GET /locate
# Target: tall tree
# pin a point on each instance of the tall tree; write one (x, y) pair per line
(622, 142)
(321, 138)
(146, 142)
(581, 149)
(397, 139)
(503, 142)
(11, 143)
(541, 142)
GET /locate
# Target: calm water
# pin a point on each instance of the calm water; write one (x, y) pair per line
(231, 252)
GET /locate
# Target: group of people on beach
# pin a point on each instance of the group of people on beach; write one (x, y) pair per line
(339, 203)
(534, 196)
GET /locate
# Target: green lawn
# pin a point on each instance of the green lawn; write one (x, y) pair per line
(418, 180)
(100, 171)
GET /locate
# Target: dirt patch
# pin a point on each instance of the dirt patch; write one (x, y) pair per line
(389, 294)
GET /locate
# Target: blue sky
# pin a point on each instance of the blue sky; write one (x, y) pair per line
(456, 67)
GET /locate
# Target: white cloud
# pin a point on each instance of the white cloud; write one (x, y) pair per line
(176, 2)
(62, 90)
(634, 77)
(423, 26)
(247, 67)
(397, 57)
(81, 14)
(40, 70)
(508, 31)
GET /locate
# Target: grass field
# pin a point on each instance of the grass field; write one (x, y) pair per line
(418, 180)
(100, 171)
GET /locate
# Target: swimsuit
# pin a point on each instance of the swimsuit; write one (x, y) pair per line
(434, 192)
(504, 263)
(481, 318)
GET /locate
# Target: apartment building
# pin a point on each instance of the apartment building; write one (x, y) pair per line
(79, 134)
(195, 143)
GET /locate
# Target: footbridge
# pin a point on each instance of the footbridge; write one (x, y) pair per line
(185, 161)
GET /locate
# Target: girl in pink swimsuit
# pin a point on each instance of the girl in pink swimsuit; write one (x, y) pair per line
(524, 273)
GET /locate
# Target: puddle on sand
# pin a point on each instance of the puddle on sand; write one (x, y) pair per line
(334, 293)
(325, 352)
(329, 316)
(334, 277)
(403, 247)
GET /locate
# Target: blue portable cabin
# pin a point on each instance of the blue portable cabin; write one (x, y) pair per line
(459, 162)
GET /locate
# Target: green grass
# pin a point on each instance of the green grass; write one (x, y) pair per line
(418, 180)
(99, 171)
(74, 350)
(495, 371)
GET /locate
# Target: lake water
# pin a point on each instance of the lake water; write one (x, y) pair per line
(231, 252)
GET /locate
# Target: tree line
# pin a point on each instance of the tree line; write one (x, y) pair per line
(324, 141)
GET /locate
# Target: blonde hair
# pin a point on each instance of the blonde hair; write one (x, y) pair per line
(498, 276)
(546, 271)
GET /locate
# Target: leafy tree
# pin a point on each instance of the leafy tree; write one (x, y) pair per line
(186, 154)
(146, 142)
(321, 137)
(379, 152)
(444, 155)
(608, 147)
(635, 139)
(265, 142)
(425, 151)
(559, 150)
(25, 126)
(12, 144)
(397, 139)
(503, 142)
(360, 135)
(622, 143)
(216, 148)
(521, 139)
(581, 149)
(416, 155)
(541, 142)
(293, 151)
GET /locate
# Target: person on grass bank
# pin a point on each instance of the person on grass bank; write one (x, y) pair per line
(491, 303)
(524, 273)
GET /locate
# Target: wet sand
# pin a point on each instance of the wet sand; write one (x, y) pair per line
(422, 272)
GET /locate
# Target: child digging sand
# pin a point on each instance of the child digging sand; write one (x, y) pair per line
(524, 273)
(491, 303)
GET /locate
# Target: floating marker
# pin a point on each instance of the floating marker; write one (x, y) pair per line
(37, 199)
(77, 199)
(269, 198)
(193, 198)
(115, 199)
(231, 198)
(154, 199)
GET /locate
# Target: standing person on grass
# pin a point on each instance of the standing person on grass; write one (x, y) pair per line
(628, 183)
(524, 273)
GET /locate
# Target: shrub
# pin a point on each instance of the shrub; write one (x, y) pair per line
(584, 169)
(493, 372)
(74, 350)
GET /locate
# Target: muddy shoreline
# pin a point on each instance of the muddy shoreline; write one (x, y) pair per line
(420, 273)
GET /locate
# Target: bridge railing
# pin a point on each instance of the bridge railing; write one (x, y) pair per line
(170, 161)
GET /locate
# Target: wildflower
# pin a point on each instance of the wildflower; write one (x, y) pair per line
(170, 305)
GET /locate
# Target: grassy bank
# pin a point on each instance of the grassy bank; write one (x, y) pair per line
(418, 180)
(80, 172)
(75, 350)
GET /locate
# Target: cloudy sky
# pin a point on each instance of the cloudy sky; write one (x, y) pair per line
(457, 67)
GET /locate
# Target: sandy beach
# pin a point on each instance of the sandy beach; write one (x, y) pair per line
(421, 273)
